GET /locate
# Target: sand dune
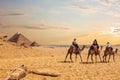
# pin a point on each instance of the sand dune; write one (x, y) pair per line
(52, 58)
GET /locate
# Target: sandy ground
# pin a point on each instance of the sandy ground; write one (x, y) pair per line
(52, 58)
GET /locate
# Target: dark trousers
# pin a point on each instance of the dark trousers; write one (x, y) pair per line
(76, 45)
(92, 48)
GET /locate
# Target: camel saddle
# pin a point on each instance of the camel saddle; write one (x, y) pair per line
(75, 49)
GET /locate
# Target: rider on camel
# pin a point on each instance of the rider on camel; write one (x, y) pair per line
(74, 43)
(109, 46)
(94, 44)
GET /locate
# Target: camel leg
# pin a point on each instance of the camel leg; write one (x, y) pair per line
(75, 57)
(100, 58)
(80, 57)
(92, 58)
(71, 57)
(88, 57)
(109, 58)
(66, 56)
(113, 57)
(103, 58)
(95, 58)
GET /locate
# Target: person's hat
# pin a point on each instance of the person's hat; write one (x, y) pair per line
(74, 38)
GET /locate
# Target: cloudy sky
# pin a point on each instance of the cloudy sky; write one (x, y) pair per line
(59, 21)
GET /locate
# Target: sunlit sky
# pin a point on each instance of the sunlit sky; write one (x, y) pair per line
(60, 21)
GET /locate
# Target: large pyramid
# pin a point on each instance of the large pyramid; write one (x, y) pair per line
(20, 39)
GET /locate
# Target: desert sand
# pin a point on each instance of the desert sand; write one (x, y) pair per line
(52, 58)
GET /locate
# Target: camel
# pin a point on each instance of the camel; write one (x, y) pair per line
(92, 52)
(109, 52)
(76, 52)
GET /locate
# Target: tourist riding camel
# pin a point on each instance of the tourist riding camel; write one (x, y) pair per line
(108, 52)
(74, 48)
(95, 43)
(109, 46)
(94, 49)
(75, 45)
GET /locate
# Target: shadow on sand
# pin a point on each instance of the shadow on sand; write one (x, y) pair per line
(65, 61)
(83, 62)
(92, 62)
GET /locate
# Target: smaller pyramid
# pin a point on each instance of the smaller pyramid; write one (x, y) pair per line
(20, 39)
(34, 44)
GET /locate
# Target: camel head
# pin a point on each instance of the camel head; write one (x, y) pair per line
(116, 50)
(83, 47)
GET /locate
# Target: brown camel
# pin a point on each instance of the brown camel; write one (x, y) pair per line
(77, 52)
(95, 51)
(109, 52)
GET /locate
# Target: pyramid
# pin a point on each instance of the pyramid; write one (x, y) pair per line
(20, 39)
(34, 44)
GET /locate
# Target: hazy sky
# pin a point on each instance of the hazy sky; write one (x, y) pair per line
(59, 21)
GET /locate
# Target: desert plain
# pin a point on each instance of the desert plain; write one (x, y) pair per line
(52, 58)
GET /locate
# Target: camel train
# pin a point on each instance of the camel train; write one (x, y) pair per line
(93, 50)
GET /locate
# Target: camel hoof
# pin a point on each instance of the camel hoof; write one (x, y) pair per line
(65, 61)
